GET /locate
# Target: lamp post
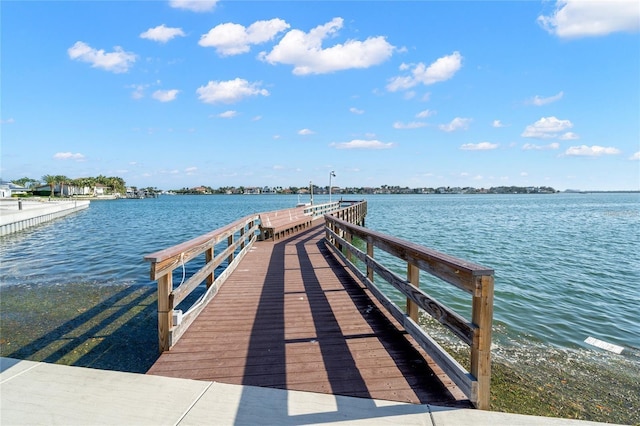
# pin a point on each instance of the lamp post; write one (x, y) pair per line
(331, 174)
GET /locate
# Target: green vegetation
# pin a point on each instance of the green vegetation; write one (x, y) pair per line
(111, 327)
(65, 186)
(544, 381)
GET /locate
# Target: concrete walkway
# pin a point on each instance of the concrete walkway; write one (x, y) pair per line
(34, 393)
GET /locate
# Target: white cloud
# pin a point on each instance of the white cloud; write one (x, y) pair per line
(356, 110)
(532, 147)
(363, 144)
(409, 95)
(162, 33)
(411, 125)
(569, 136)
(305, 132)
(635, 156)
(455, 124)
(138, 90)
(68, 156)
(424, 114)
(441, 70)
(305, 52)
(165, 95)
(194, 5)
(547, 127)
(117, 61)
(230, 91)
(257, 118)
(539, 101)
(190, 169)
(234, 39)
(591, 151)
(579, 18)
(8, 121)
(497, 124)
(482, 146)
(228, 114)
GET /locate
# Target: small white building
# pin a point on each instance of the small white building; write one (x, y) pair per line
(8, 189)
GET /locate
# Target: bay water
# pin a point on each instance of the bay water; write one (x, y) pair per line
(567, 266)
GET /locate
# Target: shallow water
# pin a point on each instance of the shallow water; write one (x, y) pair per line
(567, 266)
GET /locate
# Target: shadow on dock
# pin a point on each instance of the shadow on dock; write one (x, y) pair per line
(292, 317)
(105, 327)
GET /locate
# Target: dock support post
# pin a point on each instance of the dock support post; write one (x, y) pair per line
(482, 316)
(165, 311)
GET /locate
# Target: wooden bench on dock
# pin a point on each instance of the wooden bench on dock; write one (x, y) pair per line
(281, 223)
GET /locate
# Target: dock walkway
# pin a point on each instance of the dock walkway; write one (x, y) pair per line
(292, 317)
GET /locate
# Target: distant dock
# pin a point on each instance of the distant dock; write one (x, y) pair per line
(19, 214)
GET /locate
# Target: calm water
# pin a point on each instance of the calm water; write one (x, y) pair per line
(567, 265)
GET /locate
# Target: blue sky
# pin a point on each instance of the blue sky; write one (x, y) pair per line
(178, 94)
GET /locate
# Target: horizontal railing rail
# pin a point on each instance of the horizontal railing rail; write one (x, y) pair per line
(319, 210)
(222, 249)
(236, 239)
(478, 281)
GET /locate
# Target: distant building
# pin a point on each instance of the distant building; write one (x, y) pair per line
(9, 189)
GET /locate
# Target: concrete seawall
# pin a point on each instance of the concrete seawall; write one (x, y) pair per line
(18, 214)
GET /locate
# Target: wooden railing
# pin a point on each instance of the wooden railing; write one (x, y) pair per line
(235, 239)
(474, 279)
(222, 250)
(319, 210)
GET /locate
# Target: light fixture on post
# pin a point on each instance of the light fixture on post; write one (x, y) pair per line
(331, 174)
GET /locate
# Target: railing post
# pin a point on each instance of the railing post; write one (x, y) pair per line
(349, 239)
(413, 276)
(370, 254)
(165, 310)
(482, 317)
(209, 256)
(229, 244)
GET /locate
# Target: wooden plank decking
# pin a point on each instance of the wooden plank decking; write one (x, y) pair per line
(292, 317)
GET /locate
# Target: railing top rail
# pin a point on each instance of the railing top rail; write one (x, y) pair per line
(414, 250)
(176, 250)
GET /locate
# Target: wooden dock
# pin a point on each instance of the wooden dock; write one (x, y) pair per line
(295, 303)
(291, 316)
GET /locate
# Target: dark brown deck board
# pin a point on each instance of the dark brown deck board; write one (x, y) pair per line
(292, 317)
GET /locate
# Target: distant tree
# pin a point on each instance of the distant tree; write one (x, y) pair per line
(117, 184)
(62, 180)
(25, 182)
(51, 181)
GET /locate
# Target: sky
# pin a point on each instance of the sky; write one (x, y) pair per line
(180, 93)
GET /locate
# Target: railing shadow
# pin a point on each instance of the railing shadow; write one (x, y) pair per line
(343, 375)
(409, 361)
(267, 344)
(115, 334)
